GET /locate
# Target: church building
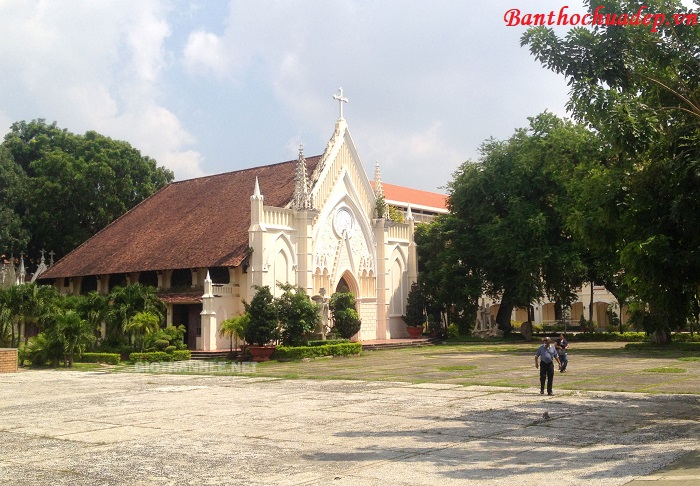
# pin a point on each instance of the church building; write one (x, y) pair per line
(312, 222)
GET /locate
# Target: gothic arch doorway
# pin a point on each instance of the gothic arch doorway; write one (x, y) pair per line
(347, 283)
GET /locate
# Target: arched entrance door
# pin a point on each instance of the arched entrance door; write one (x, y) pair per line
(342, 285)
(347, 283)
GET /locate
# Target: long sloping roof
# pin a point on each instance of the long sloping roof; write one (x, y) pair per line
(194, 223)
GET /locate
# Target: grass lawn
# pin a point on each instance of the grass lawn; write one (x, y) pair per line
(609, 366)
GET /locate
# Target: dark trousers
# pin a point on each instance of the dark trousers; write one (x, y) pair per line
(546, 374)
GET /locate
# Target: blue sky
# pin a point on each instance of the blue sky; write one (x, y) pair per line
(211, 86)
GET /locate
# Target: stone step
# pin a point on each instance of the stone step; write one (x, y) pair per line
(202, 355)
(398, 343)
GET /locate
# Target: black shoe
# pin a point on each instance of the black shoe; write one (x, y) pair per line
(541, 392)
(550, 394)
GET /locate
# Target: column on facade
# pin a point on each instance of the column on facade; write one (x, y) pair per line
(256, 233)
(304, 247)
(412, 254)
(380, 239)
(209, 325)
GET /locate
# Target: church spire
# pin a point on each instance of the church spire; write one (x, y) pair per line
(21, 273)
(378, 189)
(256, 192)
(302, 197)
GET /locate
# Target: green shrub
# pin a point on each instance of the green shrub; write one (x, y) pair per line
(297, 313)
(327, 341)
(170, 349)
(109, 358)
(290, 353)
(685, 338)
(608, 336)
(452, 331)
(158, 356)
(164, 337)
(151, 357)
(346, 320)
(182, 355)
(263, 325)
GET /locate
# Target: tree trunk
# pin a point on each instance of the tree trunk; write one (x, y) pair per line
(590, 306)
(661, 336)
(504, 312)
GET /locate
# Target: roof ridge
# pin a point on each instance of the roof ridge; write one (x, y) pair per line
(243, 170)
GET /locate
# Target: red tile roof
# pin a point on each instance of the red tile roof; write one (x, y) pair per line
(195, 223)
(416, 197)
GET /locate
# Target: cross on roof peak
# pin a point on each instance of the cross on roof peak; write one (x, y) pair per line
(341, 100)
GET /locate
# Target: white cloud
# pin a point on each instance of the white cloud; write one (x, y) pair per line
(423, 158)
(205, 52)
(94, 66)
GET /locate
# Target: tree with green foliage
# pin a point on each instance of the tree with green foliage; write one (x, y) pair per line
(140, 325)
(13, 185)
(71, 186)
(74, 334)
(639, 91)
(28, 305)
(263, 327)
(234, 329)
(506, 227)
(125, 303)
(165, 337)
(415, 307)
(450, 286)
(346, 320)
(297, 313)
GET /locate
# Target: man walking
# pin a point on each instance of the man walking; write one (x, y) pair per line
(545, 356)
(562, 346)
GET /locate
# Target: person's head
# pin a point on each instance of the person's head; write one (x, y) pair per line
(547, 341)
(561, 336)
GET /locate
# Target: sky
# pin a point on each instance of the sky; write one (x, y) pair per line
(213, 86)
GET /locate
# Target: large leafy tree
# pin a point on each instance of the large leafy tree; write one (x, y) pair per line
(639, 90)
(449, 282)
(13, 183)
(72, 186)
(507, 220)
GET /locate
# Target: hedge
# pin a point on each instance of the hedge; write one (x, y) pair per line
(289, 353)
(320, 342)
(157, 356)
(109, 358)
(634, 337)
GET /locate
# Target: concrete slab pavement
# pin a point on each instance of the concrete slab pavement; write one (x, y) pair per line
(66, 427)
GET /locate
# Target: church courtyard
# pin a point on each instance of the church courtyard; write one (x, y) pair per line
(475, 418)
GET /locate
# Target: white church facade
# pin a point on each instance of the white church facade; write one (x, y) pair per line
(206, 243)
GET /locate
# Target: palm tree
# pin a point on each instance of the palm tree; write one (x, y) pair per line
(74, 333)
(94, 307)
(141, 325)
(29, 304)
(126, 302)
(234, 328)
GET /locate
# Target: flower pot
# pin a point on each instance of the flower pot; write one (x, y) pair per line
(261, 353)
(416, 332)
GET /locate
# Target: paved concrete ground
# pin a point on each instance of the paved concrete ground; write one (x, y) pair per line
(66, 427)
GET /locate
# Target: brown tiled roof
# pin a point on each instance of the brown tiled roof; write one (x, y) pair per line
(413, 196)
(195, 223)
(181, 298)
